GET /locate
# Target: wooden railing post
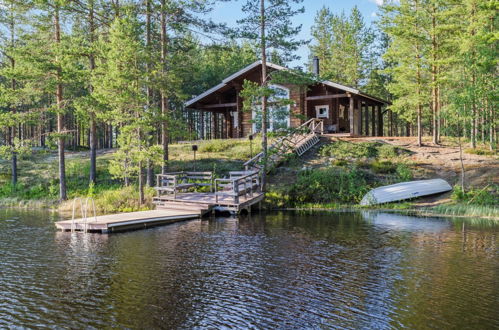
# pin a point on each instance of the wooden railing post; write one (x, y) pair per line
(235, 189)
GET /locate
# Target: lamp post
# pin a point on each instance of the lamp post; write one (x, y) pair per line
(194, 149)
(250, 137)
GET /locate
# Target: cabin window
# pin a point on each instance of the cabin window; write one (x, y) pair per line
(322, 111)
(278, 115)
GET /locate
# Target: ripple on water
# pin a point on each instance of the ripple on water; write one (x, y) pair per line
(346, 270)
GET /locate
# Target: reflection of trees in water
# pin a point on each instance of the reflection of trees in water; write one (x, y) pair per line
(347, 269)
(438, 273)
(151, 271)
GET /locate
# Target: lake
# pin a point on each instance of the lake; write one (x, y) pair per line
(279, 270)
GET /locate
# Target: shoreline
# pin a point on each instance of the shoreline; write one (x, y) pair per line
(53, 206)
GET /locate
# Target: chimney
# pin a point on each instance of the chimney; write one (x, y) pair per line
(315, 66)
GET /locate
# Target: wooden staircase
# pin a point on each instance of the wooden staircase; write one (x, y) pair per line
(299, 141)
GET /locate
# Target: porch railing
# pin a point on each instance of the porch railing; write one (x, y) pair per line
(175, 182)
(239, 184)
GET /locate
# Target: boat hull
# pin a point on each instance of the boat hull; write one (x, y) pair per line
(405, 190)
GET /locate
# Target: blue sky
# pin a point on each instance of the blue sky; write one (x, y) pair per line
(230, 12)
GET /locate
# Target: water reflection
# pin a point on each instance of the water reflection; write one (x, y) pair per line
(400, 222)
(349, 270)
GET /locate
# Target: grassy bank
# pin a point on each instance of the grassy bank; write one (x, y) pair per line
(336, 175)
(38, 185)
(341, 174)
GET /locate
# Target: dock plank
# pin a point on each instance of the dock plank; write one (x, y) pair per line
(130, 220)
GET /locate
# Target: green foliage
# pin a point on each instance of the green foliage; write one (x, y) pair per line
(125, 199)
(348, 150)
(481, 152)
(485, 196)
(329, 185)
(383, 167)
(404, 173)
(280, 30)
(340, 162)
(213, 63)
(344, 46)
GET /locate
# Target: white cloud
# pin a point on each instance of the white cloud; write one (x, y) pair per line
(378, 2)
(374, 14)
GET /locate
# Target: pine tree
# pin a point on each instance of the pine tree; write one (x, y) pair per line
(268, 22)
(13, 16)
(119, 84)
(343, 45)
(408, 51)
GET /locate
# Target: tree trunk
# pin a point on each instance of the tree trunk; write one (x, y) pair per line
(263, 46)
(164, 99)
(93, 124)
(420, 107)
(491, 127)
(434, 88)
(461, 161)
(390, 114)
(60, 116)
(150, 168)
(13, 136)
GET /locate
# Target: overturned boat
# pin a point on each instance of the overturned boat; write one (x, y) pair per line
(405, 190)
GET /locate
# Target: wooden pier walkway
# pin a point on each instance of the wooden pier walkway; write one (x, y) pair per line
(127, 221)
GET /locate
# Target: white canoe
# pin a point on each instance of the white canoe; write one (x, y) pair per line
(405, 190)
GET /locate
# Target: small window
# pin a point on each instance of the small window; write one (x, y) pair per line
(322, 111)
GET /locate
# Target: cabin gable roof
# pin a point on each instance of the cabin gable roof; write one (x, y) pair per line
(227, 81)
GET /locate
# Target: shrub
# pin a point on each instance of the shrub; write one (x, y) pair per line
(328, 185)
(339, 162)
(387, 151)
(485, 196)
(404, 173)
(124, 199)
(383, 166)
(348, 150)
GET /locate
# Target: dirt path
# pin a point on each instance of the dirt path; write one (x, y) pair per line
(442, 161)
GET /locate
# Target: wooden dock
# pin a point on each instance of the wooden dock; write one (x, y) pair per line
(169, 209)
(127, 221)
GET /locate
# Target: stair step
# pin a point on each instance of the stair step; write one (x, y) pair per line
(202, 209)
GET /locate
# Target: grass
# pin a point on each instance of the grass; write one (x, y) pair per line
(361, 150)
(38, 183)
(347, 172)
(481, 152)
(481, 211)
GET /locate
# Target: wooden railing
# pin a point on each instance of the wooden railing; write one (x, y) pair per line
(175, 182)
(287, 144)
(241, 183)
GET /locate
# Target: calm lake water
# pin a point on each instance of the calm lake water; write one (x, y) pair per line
(286, 270)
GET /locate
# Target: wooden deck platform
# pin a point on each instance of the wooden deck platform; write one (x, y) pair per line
(224, 203)
(128, 221)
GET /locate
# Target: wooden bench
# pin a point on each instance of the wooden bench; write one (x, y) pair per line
(176, 182)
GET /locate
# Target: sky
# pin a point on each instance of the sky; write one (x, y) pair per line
(230, 12)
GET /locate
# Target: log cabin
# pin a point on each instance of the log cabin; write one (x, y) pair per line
(344, 110)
